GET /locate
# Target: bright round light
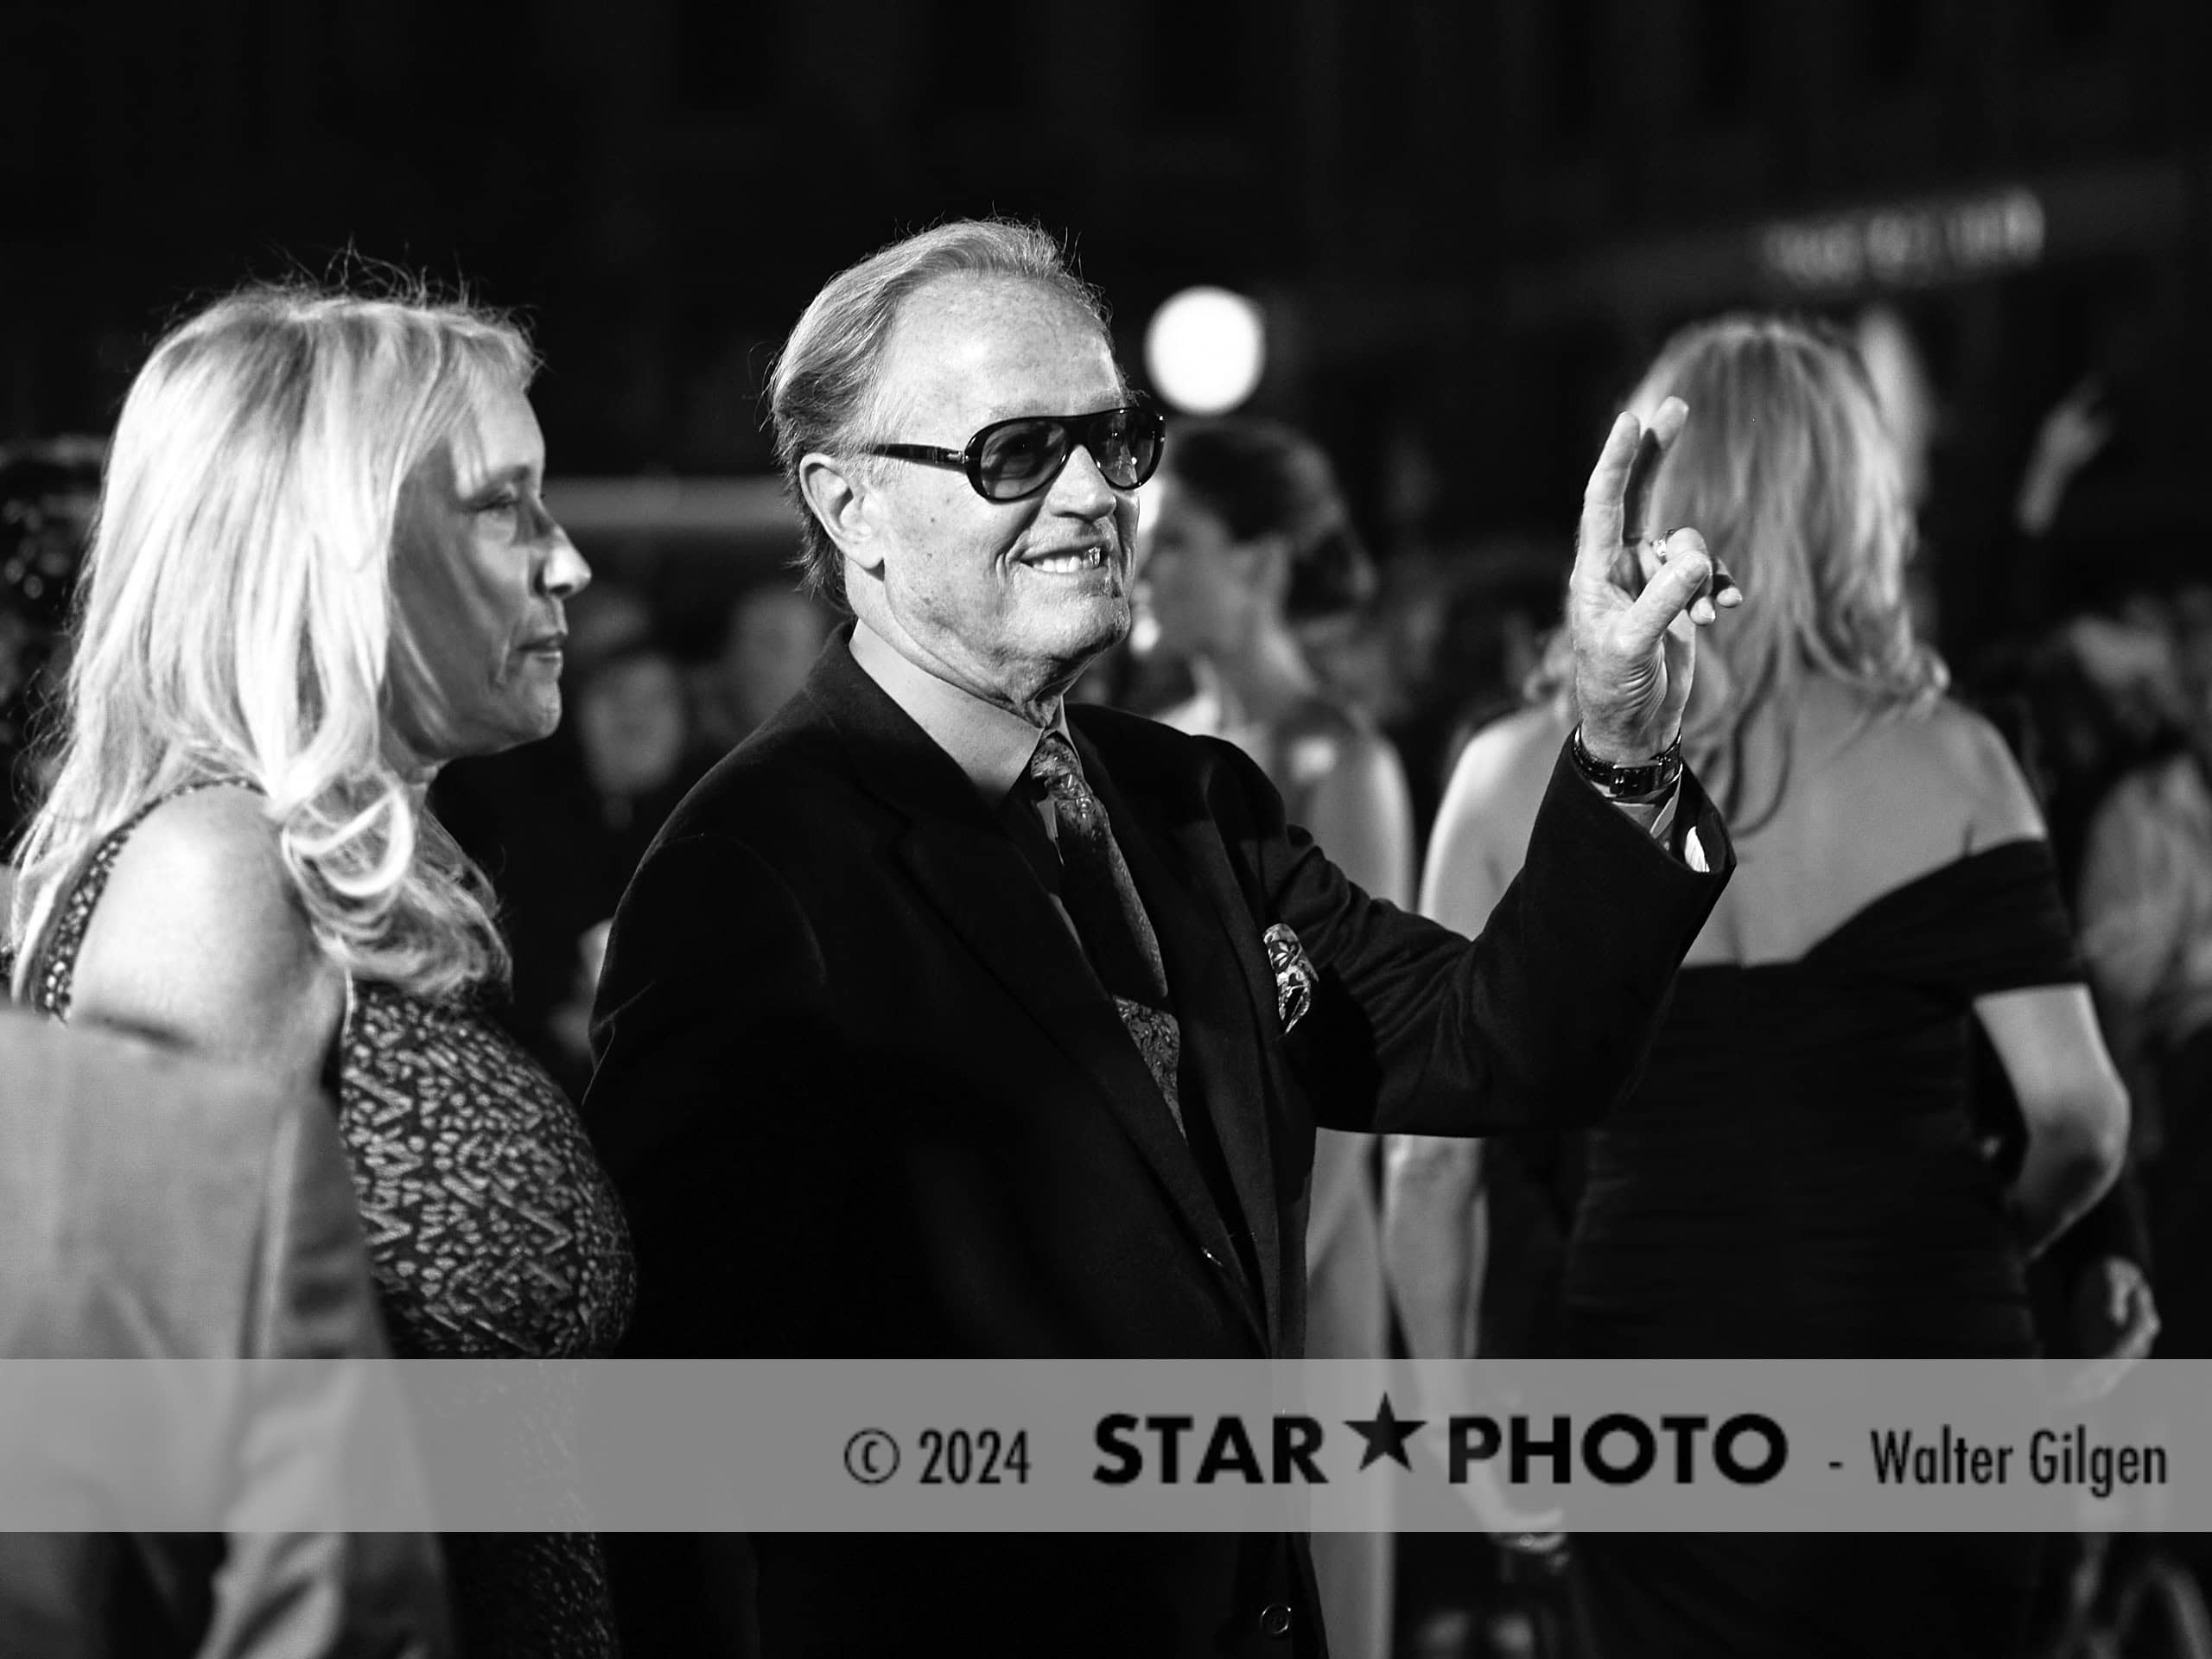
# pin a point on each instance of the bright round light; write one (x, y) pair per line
(1205, 350)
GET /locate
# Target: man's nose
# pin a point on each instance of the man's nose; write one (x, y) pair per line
(1081, 488)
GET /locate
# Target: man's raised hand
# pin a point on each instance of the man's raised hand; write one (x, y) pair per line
(1634, 652)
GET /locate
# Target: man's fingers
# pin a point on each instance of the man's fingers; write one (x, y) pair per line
(1666, 424)
(1602, 500)
(1635, 497)
(1678, 585)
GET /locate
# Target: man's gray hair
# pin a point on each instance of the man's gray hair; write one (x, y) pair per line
(822, 384)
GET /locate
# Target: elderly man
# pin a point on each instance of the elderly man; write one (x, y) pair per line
(947, 1019)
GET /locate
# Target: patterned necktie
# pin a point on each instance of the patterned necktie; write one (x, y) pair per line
(1102, 901)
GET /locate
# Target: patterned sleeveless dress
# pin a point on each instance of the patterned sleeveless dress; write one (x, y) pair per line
(491, 1231)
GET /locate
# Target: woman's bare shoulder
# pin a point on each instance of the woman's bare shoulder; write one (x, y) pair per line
(1512, 758)
(213, 852)
(1951, 763)
(200, 933)
(1489, 805)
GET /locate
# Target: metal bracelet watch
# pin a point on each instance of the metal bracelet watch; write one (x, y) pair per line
(1639, 782)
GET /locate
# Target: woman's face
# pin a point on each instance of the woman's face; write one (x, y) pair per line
(479, 572)
(1194, 582)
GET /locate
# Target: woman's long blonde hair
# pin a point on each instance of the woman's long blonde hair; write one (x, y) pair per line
(1787, 470)
(235, 620)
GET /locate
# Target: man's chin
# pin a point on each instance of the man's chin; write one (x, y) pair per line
(1107, 630)
(1078, 648)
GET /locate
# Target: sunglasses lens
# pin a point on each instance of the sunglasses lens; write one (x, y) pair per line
(1126, 443)
(1020, 455)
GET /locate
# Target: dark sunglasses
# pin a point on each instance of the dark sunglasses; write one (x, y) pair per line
(1011, 461)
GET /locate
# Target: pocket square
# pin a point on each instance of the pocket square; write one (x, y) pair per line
(1294, 976)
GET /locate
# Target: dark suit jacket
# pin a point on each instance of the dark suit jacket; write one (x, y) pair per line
(153, 1208)
(862, 1096)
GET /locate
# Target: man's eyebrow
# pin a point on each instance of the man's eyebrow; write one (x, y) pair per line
(1119, 398)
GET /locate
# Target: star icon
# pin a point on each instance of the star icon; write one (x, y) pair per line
(1386, 1435)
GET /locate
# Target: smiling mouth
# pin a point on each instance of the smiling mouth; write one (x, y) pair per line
(1069, 565)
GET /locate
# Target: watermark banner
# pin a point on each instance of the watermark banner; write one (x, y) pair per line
(926, 1445)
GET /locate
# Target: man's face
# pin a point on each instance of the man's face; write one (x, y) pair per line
(1006, 600)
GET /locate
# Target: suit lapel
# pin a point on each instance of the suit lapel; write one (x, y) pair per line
(976, 878)
(986, 895)
(1212, 995)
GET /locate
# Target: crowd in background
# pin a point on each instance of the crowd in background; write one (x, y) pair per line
(1384, 668)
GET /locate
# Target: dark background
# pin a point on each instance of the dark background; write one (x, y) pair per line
(1470, 223)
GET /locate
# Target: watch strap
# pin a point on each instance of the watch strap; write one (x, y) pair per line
(1638, 781)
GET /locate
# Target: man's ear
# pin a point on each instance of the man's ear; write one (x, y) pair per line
(837, 492)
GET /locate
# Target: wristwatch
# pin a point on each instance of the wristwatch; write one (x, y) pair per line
(1641, 782)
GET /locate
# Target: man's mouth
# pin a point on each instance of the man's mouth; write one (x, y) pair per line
(1070, 563)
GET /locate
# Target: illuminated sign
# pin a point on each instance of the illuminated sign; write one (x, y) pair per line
(1906, 246)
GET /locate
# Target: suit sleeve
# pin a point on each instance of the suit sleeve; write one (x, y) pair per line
(714, 1107)
(312, 1431)
(1541, 1022)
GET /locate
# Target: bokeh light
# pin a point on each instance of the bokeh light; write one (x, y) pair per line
(1205, 349)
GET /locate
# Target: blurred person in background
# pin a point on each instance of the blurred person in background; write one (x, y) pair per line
(322, 569)
(774, 634)
(606, 618)
(1798, 1173)
(1245, 538)
(1493, 607)
(48, 492)
(633, 727)
(2145, 905)
(2084, 703)
(154, 1207)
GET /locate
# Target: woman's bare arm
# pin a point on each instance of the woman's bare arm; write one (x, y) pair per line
(1434, 1225)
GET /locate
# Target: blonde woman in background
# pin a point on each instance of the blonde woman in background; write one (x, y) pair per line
(322, 567)
(1797, 1173)
(1245, 538)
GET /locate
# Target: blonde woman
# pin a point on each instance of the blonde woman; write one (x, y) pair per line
(1796, 1173)
(323, 568)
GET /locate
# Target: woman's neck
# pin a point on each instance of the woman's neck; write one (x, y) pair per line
(1255, 683)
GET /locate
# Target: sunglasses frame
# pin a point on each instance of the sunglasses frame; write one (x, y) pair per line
(1081, 430)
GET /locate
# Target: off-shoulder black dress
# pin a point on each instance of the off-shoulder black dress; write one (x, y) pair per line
(1797, 1175)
